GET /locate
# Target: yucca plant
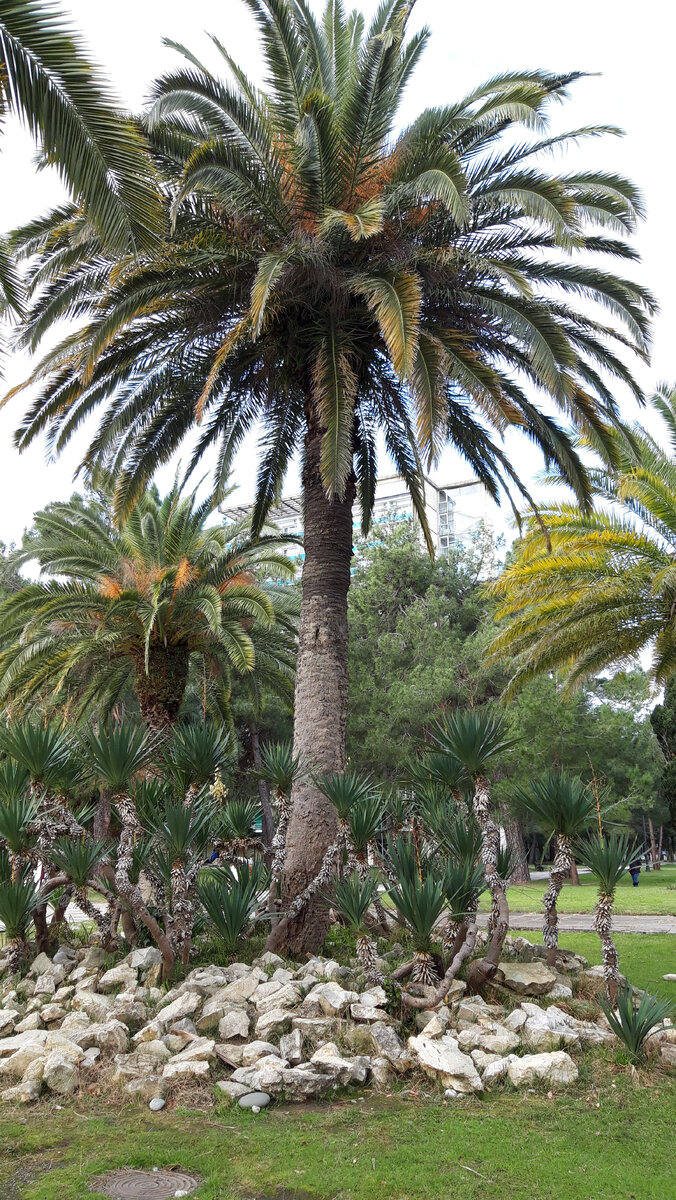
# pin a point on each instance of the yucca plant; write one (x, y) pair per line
(237, 821)
(80, 860)
(14, 779)
(633, 1023)
(607, 858)
(19, 898)
(196, 753)
(475, 739)
(352, 896)
(419, 904)
(279, 768)
(17, 817)
(562, 807)
(233, 902)
(179, 835)
(364, 819)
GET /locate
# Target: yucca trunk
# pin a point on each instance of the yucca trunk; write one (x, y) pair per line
(18, 952)
(102, 920)
(160, 688)
(320, 712)
(424, 969)
(550, 929)
(129, 892)
(181, 913)
(603, 920)
(367, 954)
(485, 968)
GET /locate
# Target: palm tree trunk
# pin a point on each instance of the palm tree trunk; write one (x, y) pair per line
(560, 869)
(160, 688)
(320, 716)
(517, 845)
(268, 822)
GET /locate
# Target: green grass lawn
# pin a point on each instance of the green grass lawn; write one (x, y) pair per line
(596, 1142)
(655, 894)
(644, 957)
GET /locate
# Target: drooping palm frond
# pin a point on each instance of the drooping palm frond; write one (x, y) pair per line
(47, 79)
(598, 588)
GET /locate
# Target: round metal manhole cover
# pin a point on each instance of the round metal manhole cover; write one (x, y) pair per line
(144, 1185)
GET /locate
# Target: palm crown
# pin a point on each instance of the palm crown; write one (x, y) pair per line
(600, 587)
(558, 803)
(138, 606)
(328, 274)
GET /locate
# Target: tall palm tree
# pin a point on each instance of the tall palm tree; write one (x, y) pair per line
(591, 590)
(142, 606)
(563, 809)
(607, 859)
(49, 82)
(330, 277)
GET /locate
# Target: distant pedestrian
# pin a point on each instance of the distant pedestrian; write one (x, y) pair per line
(634, 870)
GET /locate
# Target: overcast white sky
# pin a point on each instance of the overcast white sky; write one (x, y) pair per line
(630, 47)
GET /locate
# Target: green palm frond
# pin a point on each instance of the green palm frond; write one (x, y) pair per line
(119, 752)
(14, 780)
(365, 819)
(16, 817)
(47, 79)
(633, 1023)
(197, 752)
(279, 766)
(238, 818)
(463, 882)
(419, 904)
(45, 752)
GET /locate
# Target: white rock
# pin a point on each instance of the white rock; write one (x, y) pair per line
(556, 1067)
(443, 1059)
(193, 1069)
(329, 999)
(273, 1023)
(35, 1020)
(231, 1089)
(375, 997)
(387, 1044)
(121, 976)
(362, 1012)
(234, 1024)
(141, 960)
(183, 1006)
(60, 1073)
(287, 996)
(526, 979)
(40, 964)
(45, 985)
(96, 1006)
(291, 1047)
(252, 1052)
(8, 1021)
(197, 1050)
(497, 1069)
(329, 1060)
(22, 1093)
(110, 1037)
(298, 1084)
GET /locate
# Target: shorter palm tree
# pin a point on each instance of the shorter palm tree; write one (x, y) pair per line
(178, 835)
(475, 739)
(279, 768)
(140, 607)
(353, 896)
(607, 859)
(18, 900)
(563, 808)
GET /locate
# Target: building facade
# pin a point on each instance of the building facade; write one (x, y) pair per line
(453, 510)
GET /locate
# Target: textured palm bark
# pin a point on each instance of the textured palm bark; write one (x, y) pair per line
(485, 968)
(603, 920)
(160, 688)
(557, 878)
(129, 892)
(367, 954)
(320, 712)
(267, 822)
(517, 845)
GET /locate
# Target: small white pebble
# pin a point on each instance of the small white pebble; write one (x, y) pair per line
(181, 1192)
(255, 1108)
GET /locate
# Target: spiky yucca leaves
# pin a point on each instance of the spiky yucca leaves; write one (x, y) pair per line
(353, 895)
(279, 767)
(607, 858)
(562, 807)
(331, 276)
(48, 80)
(196, 754)
(633, 1023)
(599, 587)
(234, 902)
(237, 821)
(419, 904)
(17, 817)
(475, 739)
(80, 860)
(141, 606)
(14, 779)
(18, 900)
(179, 834)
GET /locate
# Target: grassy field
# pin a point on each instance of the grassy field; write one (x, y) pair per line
(655, 894)
(644, 957)
(607, 1142)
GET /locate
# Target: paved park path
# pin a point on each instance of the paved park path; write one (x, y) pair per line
(583, 922)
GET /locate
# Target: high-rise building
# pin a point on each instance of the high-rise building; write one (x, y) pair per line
(453, 510)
